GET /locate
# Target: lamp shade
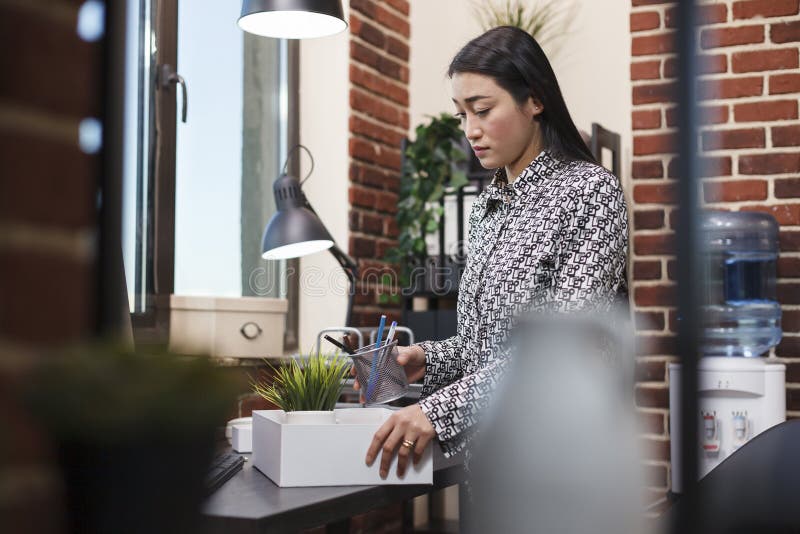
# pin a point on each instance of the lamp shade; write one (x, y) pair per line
(294, 230)
(292, 19)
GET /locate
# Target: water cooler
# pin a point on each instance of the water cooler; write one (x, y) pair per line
(740, 393)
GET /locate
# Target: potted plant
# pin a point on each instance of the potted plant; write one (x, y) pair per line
(547, 21)
(306, 390)
(429, 168)
(116, 417)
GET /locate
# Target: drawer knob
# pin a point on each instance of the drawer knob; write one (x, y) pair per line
(250, 330)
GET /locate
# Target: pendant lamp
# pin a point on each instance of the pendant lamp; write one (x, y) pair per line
(292, 19)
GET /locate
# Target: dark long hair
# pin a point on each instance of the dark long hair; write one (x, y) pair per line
(517, 63)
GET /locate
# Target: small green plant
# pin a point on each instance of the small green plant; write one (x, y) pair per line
(428, 169)
(312, 384)
(548, 21)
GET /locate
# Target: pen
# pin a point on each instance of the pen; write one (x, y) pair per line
(389, 338)
(340, 345)
(373, 374)
(390, 335)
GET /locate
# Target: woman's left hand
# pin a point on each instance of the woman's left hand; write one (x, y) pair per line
(407, 425)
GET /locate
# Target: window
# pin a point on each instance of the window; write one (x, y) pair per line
(139, 126)
(197, 194)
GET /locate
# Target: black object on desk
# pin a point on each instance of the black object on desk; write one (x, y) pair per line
(250, 502)
(222, 468)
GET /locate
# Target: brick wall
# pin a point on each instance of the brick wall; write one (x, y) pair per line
(47, 184)
(51, 81)
(379, 120)
(750, 150)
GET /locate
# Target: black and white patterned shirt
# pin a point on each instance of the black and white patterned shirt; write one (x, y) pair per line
(555, 239)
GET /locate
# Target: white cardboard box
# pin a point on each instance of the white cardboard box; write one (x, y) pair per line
(243, 327)
(242, 438)
(328, 455)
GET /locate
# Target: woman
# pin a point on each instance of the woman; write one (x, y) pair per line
(549, 233)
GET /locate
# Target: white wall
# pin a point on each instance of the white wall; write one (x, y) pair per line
(438, 30)
(592, 65)
(593, 70)
(324, 115)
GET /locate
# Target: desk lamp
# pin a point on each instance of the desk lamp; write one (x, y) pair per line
(292, 19)
(295, 229)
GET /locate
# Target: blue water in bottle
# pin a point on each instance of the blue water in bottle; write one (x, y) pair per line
(741, 314)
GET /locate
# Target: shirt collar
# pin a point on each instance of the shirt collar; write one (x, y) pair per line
(542, 166)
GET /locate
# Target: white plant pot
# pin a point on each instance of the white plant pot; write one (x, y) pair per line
(326, 417)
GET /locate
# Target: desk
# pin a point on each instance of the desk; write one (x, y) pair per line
(251, 503)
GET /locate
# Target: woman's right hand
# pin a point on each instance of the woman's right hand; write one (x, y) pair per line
(412, 358)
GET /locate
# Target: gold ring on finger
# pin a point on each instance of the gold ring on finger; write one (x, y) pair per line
(408, 443)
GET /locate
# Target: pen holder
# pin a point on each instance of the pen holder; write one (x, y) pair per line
(391, 382)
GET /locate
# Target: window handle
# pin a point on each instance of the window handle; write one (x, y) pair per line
(167, 76)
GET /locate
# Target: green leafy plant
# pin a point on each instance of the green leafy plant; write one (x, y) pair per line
(312, 384)
(547, 21)
(429, 168)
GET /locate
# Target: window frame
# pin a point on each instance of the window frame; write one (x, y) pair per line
(151, 326)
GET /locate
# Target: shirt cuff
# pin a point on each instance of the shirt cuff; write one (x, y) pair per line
(442, 425)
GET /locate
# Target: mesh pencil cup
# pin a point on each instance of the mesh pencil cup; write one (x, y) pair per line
(391, 382)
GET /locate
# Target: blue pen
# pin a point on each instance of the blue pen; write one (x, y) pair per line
(373, 374)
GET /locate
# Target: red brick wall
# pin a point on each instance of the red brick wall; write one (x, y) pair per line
(750, 148)
(47, 185)
(51, 81)
(379, 119)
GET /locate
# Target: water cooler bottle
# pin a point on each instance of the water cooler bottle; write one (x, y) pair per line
(740, 394)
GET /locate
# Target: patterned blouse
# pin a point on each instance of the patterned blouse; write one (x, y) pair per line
(555, 239)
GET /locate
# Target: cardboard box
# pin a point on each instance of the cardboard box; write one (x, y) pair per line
(244, 327)
(328, 455)
(242, 438)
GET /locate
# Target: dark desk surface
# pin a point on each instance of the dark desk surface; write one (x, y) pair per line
(251, 503)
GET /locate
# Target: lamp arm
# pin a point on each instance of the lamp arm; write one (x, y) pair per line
(350, 268)
(347, 263)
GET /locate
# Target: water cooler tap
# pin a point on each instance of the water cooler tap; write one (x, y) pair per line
(741, 428)
(710, 432)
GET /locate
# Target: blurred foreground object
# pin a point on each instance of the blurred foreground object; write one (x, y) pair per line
(134, 434)
(557, 452)
(753, 491)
